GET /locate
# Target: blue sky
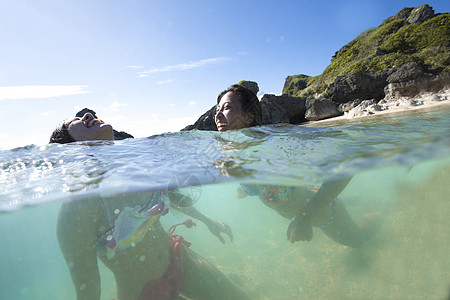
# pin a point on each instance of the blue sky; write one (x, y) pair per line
(148, 67)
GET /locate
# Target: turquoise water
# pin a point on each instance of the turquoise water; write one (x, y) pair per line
(401, 168)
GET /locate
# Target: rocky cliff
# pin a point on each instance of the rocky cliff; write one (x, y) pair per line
(412, 35)
(408, 54)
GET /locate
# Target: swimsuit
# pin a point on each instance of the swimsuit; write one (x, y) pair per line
(170, 284)
(276, 194)
(271, 194)
(131, 225)
(129, 228)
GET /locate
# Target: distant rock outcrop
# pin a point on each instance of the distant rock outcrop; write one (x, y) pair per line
(417, 86)
(251, 85)
(118, 135)
(319, 109)
(205, 122)
(283, 109)
(121, 135)
(363, 85)
(296, 83)
(407, 55)
(413, 15)
(360, 69)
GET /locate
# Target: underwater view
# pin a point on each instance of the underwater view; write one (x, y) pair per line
(399, 165)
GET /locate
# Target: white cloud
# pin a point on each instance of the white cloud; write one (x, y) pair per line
(192, 103)
(48, 113)
(115, 105)
(40, 91)
(114, 119)
(133, 67)
(184, 66)
(164, 81)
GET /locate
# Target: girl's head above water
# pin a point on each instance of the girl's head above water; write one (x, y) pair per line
(86, 128)
(237, 108)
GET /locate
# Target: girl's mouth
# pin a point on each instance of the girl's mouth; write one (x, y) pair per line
(94, 121)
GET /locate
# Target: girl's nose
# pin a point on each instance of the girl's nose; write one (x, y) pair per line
(87, 116)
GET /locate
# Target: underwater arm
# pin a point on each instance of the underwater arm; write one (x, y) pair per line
(184, 204)
(216, 228)
(300, 228)
(78, 245)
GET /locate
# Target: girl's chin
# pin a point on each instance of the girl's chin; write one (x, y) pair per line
(222, 128)
(104, 125)
(106, 132)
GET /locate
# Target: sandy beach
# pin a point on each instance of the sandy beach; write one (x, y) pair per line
(397, 106)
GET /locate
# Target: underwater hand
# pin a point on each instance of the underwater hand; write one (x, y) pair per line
(300, 229)
(217, 228)
(240, 193)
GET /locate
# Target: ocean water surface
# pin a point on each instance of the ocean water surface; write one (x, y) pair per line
(400, 165)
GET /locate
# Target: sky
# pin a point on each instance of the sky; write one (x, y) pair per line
(148, 67)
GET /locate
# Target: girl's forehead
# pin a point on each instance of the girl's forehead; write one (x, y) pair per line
(67, 123)
(229, 97)
(73, 122)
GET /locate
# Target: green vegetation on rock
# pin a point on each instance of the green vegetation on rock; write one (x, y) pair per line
(396, 41)
(296, 83)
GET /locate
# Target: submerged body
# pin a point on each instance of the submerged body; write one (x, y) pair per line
(125, 233)
(81, 227)
(332, 219)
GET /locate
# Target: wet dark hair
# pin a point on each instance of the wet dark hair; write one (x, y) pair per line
(249, 102)
(61, 134)
(85, 110)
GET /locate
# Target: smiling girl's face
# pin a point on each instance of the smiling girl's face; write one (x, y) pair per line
(88, 128)
(230, 115)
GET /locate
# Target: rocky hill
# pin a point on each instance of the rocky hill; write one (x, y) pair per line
(412, 35)
(406, 55)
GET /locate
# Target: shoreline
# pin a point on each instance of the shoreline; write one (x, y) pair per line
(396, 106)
